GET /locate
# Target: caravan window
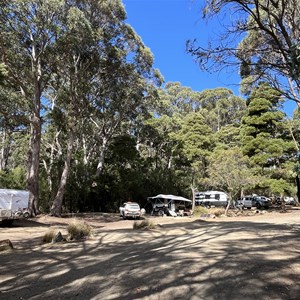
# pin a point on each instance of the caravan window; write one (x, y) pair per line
(207, 196)
(217, 196)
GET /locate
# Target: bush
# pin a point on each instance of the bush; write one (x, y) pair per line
(199, 210)
(145, 224)
(78, 231)
(48, 237)
(217, 211)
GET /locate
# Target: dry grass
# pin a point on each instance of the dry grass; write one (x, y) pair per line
(78, 231)
(199, 210)
(48, 237)
(217, 211)
(145, 224)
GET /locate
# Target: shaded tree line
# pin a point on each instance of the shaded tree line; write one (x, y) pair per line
(86, 125)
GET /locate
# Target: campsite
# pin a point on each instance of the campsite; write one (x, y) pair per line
(244, 257)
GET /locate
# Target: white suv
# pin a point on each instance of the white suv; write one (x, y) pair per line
(130, 209)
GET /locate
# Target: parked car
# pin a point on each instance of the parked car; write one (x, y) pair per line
(253, 201)
(289, 200)
(130, 209)
(261, 202)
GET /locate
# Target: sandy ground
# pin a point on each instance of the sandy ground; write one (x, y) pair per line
(245, 257)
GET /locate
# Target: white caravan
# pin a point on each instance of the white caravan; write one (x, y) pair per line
(13, 205)
(211, 198)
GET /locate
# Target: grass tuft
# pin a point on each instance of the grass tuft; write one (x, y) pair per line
(79, 231)
(145, 224)
(199, 210)
(48, 237)
(217, 211)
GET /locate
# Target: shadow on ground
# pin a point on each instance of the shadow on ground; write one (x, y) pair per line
(193, 260)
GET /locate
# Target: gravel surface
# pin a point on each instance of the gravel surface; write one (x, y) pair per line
(242, 257)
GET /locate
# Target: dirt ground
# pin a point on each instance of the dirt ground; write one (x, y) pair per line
(244, 257)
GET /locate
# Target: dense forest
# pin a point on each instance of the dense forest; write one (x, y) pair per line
(87, 122)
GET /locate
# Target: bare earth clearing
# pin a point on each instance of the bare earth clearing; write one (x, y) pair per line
(255, 257)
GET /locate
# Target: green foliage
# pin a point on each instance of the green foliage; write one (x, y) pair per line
(229, 171)
(262, 134)
(15, 179)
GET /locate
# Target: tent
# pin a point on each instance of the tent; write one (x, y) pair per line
(162, 203)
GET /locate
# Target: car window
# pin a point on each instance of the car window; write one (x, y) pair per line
(133, 205)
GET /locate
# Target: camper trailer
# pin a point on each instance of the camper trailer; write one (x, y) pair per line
(169, 205)
(211, 198)
(13, 205)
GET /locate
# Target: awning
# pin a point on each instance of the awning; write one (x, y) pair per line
(170, 197)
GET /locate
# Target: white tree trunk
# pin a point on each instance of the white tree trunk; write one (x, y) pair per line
(57, 202)
(102, 153)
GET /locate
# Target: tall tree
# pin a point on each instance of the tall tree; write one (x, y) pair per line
(229, 170)
(29, 31)
(194, 143)
(269, 48)
(220, 107)
(263, 134)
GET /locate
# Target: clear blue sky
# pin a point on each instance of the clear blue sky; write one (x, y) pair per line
(165, 26)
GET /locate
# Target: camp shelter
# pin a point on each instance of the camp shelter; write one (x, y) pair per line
(170, 203)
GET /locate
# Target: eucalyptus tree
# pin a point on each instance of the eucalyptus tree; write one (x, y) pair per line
(105, 78)
(125, 86)
(261, 36)
(194, 143)
(221, 107)
(11, 118)
(229, 170)
(74, 71)
(29, 32)
(178, 99)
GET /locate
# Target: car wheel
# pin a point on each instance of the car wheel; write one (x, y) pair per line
(258, 206)
(26, 214)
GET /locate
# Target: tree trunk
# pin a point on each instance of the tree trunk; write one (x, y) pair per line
(228, 203)
(193, 197)
(298, 188)
(33, 163)
(58, 200)
(35, 137)
(100, 165)
(5, 149)
(283, 208)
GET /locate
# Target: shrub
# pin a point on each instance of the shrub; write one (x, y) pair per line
(145, 224)
(48, 237)
(78, 231)
(217, 211)
(199, 210)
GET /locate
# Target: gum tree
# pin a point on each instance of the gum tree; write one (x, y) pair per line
(29, 31)
(261, 37)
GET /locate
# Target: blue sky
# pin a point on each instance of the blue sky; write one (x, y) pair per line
(165, 26)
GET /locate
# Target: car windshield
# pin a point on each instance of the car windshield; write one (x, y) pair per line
(135, 206)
